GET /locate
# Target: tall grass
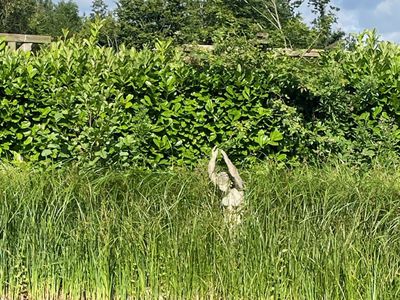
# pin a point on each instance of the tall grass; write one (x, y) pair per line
(308, 233)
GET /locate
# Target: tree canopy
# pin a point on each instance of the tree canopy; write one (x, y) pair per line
(141, 22)
(204, 21)
(39, 17)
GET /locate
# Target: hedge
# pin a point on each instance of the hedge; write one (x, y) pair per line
(77, 101)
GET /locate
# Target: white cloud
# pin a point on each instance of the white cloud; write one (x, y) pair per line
(348, 21)
(392, 36)
(355, 16)
(388, 7)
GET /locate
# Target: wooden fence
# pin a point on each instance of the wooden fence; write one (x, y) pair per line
(23, 41)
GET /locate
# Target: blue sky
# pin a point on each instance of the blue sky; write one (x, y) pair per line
(354, 16)
(357, 15)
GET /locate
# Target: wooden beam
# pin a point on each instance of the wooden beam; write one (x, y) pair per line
(26, 47)
(206, 48)
(301, 52)
(12, 45)
(25, 38)
(312, 53)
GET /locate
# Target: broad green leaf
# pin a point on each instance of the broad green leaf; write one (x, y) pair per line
(28, 140)
(46, 152)
(275, 136)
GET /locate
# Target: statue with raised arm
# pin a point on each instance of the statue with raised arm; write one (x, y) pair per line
(231, 185)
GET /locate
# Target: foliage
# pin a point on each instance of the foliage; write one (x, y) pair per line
(325, 18)
(69, 103)
(358, 94)
(161, 107)
(99, 9)
(109, 31)
(143, 22)
(204, 22)
(139, 23)
(14, 15)
(79, 101)
(314, 233)
(66, 17)
(39, 17)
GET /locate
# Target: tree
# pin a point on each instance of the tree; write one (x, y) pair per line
(66, 16)
(204, 21)
(275, 14)
(142, 22)
(99, 9)
(39, 16)
(109, 27)
(42, 21)
(286, 27)
(325, 18)
(15, 15)
(185, 21)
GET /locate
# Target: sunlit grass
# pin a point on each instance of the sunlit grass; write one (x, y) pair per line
(308, 233)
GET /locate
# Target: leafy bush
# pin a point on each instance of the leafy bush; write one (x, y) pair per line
(68, 102)
(358, 94)
(78, 101)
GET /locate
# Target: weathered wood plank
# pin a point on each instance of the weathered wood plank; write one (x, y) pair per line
(26, 47)
(25, 38)
(12, 45)
(313, 53)
(301, 52)
(206, 48)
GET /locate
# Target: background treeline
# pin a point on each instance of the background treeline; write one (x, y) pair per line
(138, 23)
(39, 17)
(79, 101)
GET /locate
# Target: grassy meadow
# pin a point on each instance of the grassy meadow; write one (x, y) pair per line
(328, 232)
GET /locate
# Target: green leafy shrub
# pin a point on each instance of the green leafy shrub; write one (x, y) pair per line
(66, 103)
(78, 101)
(358, 98)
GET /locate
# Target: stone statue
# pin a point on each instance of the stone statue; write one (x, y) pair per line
(231, 185)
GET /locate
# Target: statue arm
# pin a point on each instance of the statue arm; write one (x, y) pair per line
(211, 165)
(238, 182)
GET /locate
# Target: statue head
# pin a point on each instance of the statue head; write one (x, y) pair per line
(223, 181)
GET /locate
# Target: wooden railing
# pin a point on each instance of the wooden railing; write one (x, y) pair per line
(24, 41)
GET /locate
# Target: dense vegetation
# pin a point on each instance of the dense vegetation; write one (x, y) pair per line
(143, 22)
(309, 233)
(317, 140)
(139, 23)
(76, 100)
(39, 17)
